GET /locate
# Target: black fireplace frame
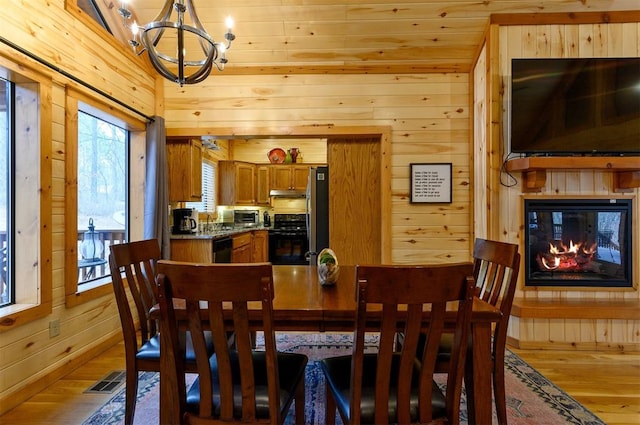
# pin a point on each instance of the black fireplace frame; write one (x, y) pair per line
(591, 204)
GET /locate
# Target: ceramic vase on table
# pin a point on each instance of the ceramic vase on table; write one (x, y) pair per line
(328, 268)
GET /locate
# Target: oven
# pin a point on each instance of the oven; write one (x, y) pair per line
(288, 240)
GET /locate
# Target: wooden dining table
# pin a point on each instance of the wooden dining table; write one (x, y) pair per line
(302, 304)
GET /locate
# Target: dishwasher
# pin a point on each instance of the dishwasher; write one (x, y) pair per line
(222, 249)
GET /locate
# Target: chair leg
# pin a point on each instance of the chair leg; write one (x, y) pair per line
(330, 408)
(131, 394)
(300, 403)
(499, 393)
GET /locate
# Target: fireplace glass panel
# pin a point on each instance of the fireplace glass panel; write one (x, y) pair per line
(578, 243)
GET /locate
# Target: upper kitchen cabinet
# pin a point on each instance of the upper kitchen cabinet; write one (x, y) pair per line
(236, 183)
(262, 184)
(289, 177)
(184, 160)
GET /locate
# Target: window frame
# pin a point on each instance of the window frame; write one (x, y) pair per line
(38, 108)
(76, 294)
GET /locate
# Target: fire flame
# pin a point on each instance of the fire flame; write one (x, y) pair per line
(563, 257)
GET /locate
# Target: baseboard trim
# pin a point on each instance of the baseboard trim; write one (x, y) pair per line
(570, 346)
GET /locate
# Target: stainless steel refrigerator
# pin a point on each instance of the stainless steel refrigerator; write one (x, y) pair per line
(317, 211)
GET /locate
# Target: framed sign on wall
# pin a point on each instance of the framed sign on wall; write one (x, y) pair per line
(431, 183)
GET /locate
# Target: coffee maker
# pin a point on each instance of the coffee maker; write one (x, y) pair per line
(183, 221)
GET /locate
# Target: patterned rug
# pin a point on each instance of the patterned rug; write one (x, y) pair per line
(531, 398)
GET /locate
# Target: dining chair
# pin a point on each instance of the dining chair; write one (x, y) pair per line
(237, 384)
(138, 261)
(393, 385)
(496, 267)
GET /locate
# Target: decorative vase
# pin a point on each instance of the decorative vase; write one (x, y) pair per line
(294, 155)
(288, 159)
(328, 268)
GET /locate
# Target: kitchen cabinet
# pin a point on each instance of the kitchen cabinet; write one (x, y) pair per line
(236, 183)
(241, 248)
(184, 161)
(192, 250)
(260, 246)
(289, 177)
(246, 247)
(262, 184)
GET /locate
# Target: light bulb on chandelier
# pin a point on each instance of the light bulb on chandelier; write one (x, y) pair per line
(189, 70)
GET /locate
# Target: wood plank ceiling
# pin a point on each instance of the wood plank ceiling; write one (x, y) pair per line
(335, 36)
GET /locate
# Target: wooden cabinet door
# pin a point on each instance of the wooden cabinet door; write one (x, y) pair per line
(299, 176)
(192, 250)
(184, 163)
(260, 246)
(241, 248)
(289, 177)
(280, 176)
(245, 194)
(196, 170)
(236, 183)
(262, 185)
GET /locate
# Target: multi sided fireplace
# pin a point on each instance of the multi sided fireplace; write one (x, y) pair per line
(578, 242)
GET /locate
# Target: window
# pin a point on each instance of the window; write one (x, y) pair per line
(91, 9)
(25, 195)
(6, 101)
(208, 203)
(102, 193)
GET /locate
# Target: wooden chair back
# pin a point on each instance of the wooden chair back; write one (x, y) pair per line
(228, 290)
(496, 267)
(138, 262)
(402, 292)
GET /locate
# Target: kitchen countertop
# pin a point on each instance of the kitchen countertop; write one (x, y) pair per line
(217, 234)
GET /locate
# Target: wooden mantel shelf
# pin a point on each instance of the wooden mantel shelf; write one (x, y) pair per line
(534, 169)
(576, 309)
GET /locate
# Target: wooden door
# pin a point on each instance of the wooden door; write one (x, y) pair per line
(355, 210)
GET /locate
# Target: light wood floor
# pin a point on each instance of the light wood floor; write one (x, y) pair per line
(608, 384)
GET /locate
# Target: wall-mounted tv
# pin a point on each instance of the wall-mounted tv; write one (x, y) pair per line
(578, 106)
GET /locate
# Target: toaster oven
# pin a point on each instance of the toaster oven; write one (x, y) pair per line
(246, 218)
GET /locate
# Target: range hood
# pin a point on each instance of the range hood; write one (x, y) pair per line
(288, 193)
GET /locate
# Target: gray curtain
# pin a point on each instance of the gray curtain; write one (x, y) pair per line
(156, 196)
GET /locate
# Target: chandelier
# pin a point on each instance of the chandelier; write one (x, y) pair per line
(190, 70)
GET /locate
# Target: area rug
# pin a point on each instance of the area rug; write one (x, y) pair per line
(531, 398)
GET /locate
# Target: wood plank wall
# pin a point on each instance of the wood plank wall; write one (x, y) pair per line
(29, 358)
(428, 114)
(559, 41)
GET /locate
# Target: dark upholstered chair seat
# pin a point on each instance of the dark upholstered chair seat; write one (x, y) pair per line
(338, 373)
(237, 384)
(150, 350)
(393, 385)
(291, 367)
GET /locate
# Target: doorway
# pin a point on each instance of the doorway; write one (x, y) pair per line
(361, 156)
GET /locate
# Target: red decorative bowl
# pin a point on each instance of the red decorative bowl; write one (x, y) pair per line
(276, 156)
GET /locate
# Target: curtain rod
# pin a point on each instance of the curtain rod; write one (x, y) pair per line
(72, 77)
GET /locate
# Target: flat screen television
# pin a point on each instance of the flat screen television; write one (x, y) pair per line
(578, 106)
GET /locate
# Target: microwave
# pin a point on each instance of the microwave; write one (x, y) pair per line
(246, 218)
